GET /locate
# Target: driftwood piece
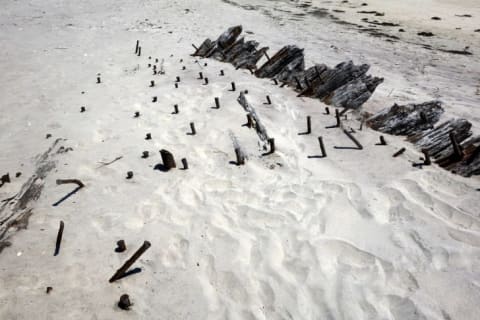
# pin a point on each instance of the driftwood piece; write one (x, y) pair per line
(406, 119)
(257, 124)
(79, 184)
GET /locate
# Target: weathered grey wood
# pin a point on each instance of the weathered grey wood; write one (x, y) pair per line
(437, 139)
(406, 119)
(280, 61)
(240, 153)
(260, 129)
(355, 93)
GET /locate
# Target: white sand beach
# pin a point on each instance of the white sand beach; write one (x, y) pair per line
(355, 235)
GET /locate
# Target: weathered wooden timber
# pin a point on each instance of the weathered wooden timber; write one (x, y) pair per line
(345, 86)
(257, 124)
(449, 144)
(406, 119)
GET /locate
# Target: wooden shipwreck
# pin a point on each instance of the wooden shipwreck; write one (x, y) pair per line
(344, 86)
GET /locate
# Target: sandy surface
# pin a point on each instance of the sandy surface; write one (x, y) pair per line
(356, 235)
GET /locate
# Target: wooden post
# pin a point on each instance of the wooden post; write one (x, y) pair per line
(59, 239)
(99, 80)
(137, 46)
(82, 109)
(275, 82)
(337, 116)
(268, 100)
(139, 51)
(222, 73)
(121, 247)
(129, 175)
(152, 83)
(249, 120)
(167, 159)
(399, 152)
(309, 125)
(124, 302)
(327, 111)
(192, 127)
(145, 154)
(148, 136)
(240, 157)
(359, 146)
(185, 164)
(233, 86)
(178, 79)
(426, 160)
(175, 109)
(382, 141)
(154, 99)
(206, 81)
(176, 85)
(183, 67)
(200, 75)
(137, 114)
(322, 147)
(457, 151)
(299, 85)
(217, 103)
(120, 272)
(271, 142)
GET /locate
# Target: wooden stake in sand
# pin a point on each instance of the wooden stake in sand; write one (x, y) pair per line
(233, 86)
(327, 111)
(271, 142)
(99, 80)
(154, 99)
(123, 269)
(59, 239)
(382, 141)
(137, 114)
(426, 157)
(175, 109)
(200, 76)
(217, 103)
(121, 247)
(322, 147)
(240, 156)
(167, 159)
(152, 83)
(249, 123)
(222, 73)
(137, 46)
(139, 51)
(206, 81)
(309, 127)
(176, 85)
(268, 100)
(82, 109)
(192, 127)
(148, 136)
(145, 154)
(129, 175)
(359, 146)
(124, 302)
(185, 163)
(399, 152)
(178, 79)
(275, 82)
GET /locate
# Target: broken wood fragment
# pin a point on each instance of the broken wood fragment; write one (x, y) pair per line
(322, 147)
(184, 163)
(121, 246)
(192, 128)
(124, 302)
